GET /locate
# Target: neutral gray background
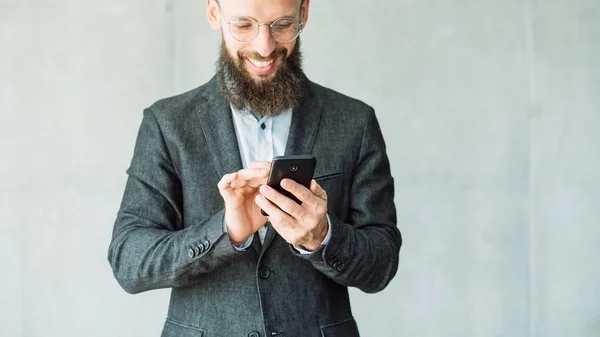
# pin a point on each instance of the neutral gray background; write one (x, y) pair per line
(490, 109)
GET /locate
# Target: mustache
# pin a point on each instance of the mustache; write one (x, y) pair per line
(256, 56)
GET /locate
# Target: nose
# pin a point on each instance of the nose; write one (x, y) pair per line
(264, 43)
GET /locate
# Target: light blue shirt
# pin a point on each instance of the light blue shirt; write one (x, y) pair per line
(263, 138)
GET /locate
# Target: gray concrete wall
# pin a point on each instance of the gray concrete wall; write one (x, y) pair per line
(490, 110)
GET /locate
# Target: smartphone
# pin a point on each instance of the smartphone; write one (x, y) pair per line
(299, 168)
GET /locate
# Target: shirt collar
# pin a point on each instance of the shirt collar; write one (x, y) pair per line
(246, 113)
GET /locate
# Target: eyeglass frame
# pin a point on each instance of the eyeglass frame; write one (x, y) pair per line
(300, 25)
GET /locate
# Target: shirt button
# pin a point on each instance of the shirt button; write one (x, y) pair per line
(264, 273)
(263, 125)
(254, 334)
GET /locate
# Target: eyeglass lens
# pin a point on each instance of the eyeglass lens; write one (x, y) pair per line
(282, 30)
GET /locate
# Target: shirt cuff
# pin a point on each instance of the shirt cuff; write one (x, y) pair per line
(244, 245)
(303, 251)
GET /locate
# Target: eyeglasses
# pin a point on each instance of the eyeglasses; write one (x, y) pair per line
(244, 28)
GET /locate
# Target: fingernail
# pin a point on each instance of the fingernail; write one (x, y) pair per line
(285, 183)
(264, 189)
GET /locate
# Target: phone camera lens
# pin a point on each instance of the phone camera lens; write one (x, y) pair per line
(293, 168)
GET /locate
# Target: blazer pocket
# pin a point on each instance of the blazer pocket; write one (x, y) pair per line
(174, 328)
(346, 328)
(328, 175)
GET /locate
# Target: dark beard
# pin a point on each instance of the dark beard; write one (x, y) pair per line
(269, 97)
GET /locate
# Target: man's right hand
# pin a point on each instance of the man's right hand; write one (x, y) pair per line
(238, 189)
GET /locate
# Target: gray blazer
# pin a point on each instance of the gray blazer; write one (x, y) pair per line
(169, 228)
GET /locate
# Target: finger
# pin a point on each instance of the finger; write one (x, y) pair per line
(253, 183)
(247, 190)
(252, 173)
(276, 215)
(287, 232)
(284, 203)
(257, 182)
(285, 225)
(226, 180)
(245, 176)
(302, 193)
(317, 190)
(238, 183)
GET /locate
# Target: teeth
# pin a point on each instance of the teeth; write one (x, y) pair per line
(261, 64)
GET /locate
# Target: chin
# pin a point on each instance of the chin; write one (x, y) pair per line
(261, 78)
(265, 77)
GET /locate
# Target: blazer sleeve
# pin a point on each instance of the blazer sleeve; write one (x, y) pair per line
(150, 248)
(363, 251)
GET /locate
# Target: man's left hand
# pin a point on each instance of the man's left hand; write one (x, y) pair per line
(301, 225)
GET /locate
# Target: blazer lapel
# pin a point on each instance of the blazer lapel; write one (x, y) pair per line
(269, 235)
(305, 122)
(218, 128)
(217, 125)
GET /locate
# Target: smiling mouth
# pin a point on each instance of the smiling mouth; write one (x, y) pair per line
(260, 67)
(260, 64)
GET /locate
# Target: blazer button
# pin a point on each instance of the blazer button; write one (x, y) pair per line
(206, 244)
(254, 334)
(191, 252)
(264, 273)
(200, 249)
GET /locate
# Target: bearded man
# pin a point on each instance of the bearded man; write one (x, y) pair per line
(190, 218)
